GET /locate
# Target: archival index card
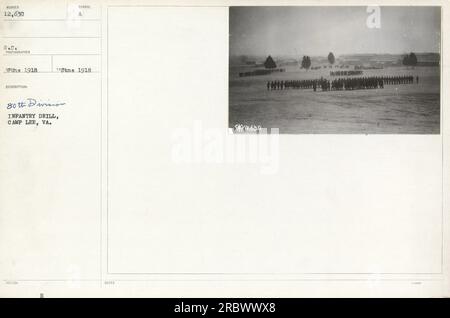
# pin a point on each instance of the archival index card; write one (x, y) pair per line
(223, 148)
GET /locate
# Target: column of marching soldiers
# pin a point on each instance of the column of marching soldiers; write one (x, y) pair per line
(341, 83)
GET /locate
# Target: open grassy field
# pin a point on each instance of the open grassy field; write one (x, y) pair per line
(404, 108)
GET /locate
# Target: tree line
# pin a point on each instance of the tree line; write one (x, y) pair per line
(306, 61)
(408, 60)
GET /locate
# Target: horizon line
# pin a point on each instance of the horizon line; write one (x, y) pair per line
(341, 54)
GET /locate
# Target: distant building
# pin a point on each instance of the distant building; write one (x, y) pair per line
(428, 59)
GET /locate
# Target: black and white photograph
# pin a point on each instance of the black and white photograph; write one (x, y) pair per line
(335, 70)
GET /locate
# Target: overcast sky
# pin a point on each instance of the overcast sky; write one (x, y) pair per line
(342, 30)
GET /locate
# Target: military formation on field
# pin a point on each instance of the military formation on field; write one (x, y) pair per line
(346, 73)
(354, 83)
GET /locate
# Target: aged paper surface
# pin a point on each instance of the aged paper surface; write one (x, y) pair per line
(224, 149)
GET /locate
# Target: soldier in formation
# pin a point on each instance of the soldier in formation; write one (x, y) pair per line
(341, 83)
(290, 84)
(393, 80)
(346, 73)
